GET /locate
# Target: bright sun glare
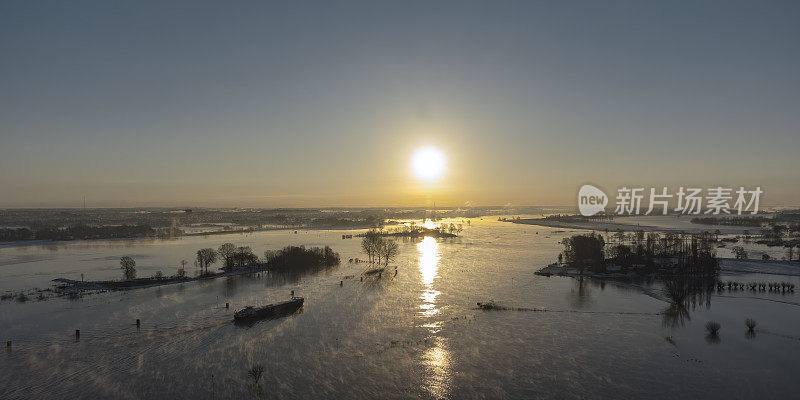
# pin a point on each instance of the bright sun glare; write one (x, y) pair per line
(428, 164)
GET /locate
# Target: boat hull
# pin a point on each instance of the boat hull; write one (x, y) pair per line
(270, 311)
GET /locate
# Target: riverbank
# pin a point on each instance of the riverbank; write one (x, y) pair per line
(70, 286)
(728, 266)
(645, 223)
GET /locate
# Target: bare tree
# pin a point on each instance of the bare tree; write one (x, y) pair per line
(182, 270)
(128, 266)
(371, 245)
(205, 257)
(620, 235)
(390, 249)
(256, 372)
(226, 251)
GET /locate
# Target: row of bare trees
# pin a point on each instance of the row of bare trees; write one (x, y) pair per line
(379, 249)
(231, 255)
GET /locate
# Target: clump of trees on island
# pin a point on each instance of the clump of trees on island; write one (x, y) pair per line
(298, 257)
(414, 230)
(378, 249)
(290, 257)
(585, 251)
(674, 253)
(601, 216)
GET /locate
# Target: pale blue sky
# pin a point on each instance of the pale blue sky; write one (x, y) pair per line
(323, 103)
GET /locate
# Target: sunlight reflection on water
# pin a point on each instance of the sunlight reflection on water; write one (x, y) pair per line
(437, 362)
(428, 260)
(436, 359)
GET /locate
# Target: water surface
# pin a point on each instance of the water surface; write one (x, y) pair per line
(413, 335)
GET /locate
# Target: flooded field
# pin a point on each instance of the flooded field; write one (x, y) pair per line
(414, 335)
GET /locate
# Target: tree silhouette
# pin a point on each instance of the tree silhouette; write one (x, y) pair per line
(205, 257)
(226, 251)
(390, 250)
(256, 372)
(128, 266)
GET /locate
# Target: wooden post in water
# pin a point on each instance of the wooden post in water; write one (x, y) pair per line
(77, 334)
(138, 323)
(8, 344)
(227, 305)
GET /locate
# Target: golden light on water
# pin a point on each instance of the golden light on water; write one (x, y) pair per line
(428, 164)
(437, 358)
(437, 361)
(428, 260)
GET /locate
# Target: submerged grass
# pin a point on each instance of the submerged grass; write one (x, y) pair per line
(751, 324)
(713, 328)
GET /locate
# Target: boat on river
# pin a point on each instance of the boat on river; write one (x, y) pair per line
(275, 310)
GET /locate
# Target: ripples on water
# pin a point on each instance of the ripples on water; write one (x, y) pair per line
(413, 335)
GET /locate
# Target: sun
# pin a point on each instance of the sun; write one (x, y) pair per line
(428, 164)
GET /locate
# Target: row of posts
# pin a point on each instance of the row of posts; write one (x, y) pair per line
(78, 332)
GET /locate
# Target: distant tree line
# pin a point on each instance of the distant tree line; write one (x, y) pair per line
(339, 222)
(579, 218)
(84, 232)
(414, 230)
(166, 217)
(732, 221)
(12, 235)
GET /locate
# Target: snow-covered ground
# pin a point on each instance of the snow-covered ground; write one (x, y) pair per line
(773, 267)
(647, 223)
